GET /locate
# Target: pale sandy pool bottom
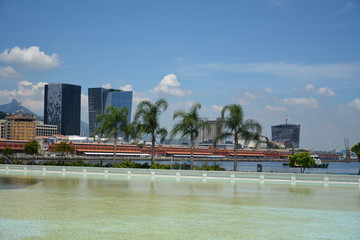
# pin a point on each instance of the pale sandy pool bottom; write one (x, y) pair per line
(118, 207)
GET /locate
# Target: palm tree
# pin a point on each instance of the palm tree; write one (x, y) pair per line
(232, 124)
(112, 122)
(147, 116)
(132, 132)
(189, 125)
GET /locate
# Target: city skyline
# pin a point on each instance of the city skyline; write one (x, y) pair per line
(275, 58)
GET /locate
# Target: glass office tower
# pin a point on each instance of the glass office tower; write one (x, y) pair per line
(62, 107)
(289, 134)
(101, 98)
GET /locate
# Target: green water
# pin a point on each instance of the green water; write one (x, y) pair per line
(77, 207)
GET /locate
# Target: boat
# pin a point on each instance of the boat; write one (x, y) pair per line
(318, 163)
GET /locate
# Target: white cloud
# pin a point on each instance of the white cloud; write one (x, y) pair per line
(242, 101)
(9, 72)
(217, 108)
(303, 102)
(30, 95)
(30, 57)
(127, 87)
(268, 90)
(139, 97)
(324, 91)
(354, 104)
(169, 85)
(290, 70)
(252, 96)
(106, 85)
(275, 109)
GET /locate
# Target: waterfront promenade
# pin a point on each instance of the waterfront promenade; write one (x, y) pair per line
(260, 177)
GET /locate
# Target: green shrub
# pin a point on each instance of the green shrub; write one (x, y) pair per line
(160, 166)
(206, 167)
(79, 163)
(179, 166)
(50, 163)
(129, 164)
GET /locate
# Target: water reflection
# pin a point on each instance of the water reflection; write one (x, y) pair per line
(95, 207)
(17, 182)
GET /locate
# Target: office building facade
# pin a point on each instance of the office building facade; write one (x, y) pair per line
(289, 134)
(207, 136)
(24, 127)
(62, 107)
(101, 98)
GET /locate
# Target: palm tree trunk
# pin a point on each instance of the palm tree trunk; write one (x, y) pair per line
(235, 153)
(115, 147)
(152, 149)
(192, 155)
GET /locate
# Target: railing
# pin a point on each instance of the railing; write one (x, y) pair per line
(292, 178)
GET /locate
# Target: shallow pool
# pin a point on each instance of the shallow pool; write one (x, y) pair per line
(58, 206)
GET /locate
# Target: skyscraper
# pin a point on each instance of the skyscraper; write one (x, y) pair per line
(289, 134)
(62, 107)
(208, 135)
(101, 98)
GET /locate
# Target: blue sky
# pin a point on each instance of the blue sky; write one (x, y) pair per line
(276, 58)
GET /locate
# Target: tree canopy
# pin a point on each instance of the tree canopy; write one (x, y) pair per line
(32, 147)
(302, 160)
(232, 124)
(147, 118)
(112, 123)
(189, 125)
(2, 115)
(356, 149)
(7, 153)
(64, 147)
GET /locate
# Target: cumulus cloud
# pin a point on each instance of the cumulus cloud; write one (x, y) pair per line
(106, 85)
(303, 102)
(30, 57)
(30, 95)
(139, 97)
(324, 91)
(217, 108)
(127, 87)
(169, 85)
(9, 72)
(354, 104)
(275, 109)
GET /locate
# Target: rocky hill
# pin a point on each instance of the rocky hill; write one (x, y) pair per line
(14, 106)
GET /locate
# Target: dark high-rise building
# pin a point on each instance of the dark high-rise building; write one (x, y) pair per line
(289, 134)
(62, 107)
(101, 98)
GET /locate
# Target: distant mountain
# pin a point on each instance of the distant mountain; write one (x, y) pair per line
(15, 106)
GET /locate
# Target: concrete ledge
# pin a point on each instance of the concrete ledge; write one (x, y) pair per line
(261, 177)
